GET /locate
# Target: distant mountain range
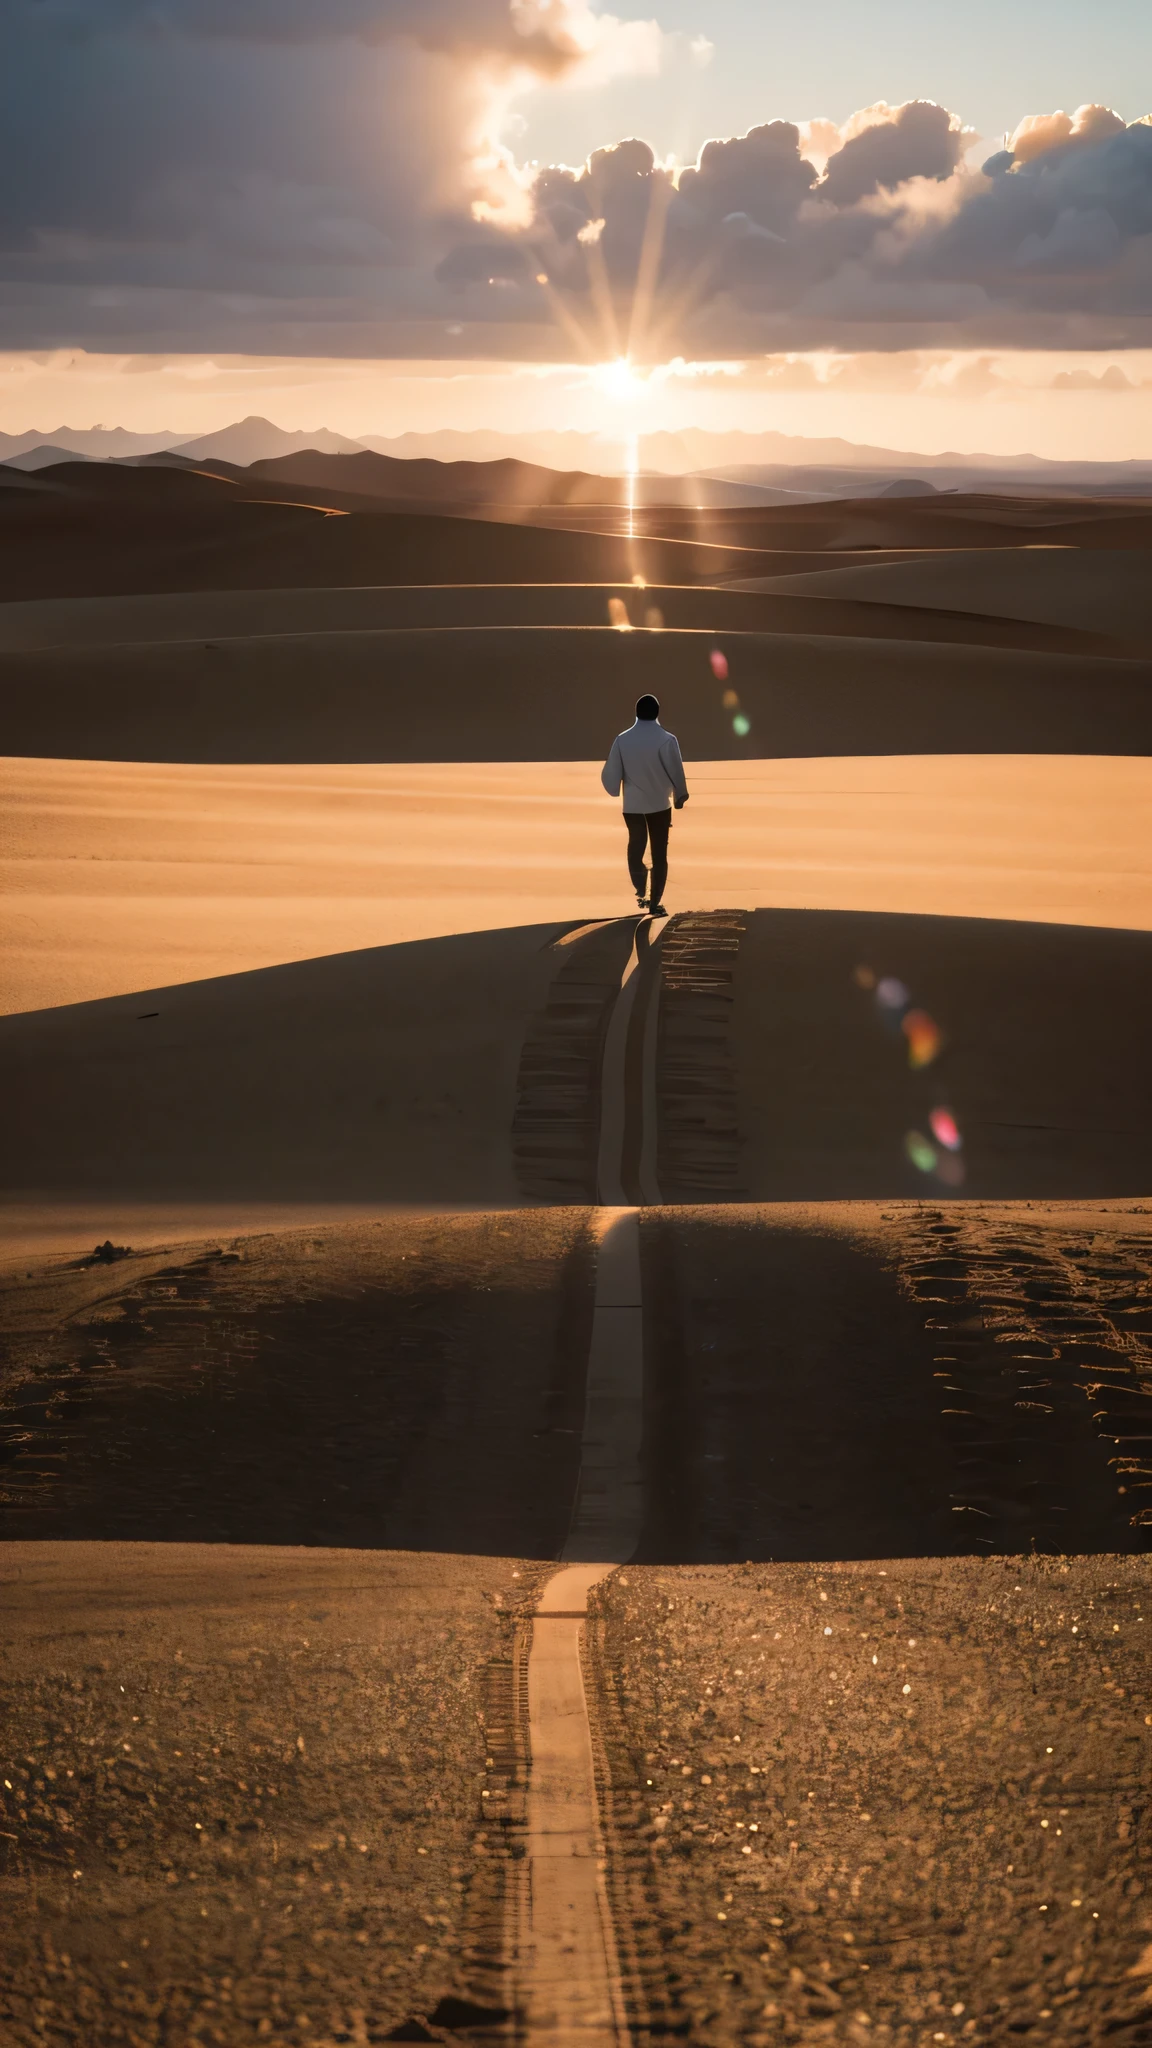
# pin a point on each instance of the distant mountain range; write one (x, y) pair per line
(115, 444)
(751, 467)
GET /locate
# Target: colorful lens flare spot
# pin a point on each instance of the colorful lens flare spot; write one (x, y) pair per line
(618, 615)
(730, 701)
(741, 726)
(864, 977)
(654, 619)
(891, 994)
(945, 1129)
(920, 1152)
(923, 1035)
(951, 1171)
(719, 665)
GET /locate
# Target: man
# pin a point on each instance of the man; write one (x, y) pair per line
(646, 760)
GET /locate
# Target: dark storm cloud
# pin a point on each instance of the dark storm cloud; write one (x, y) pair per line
(535, 32)
(311, 176)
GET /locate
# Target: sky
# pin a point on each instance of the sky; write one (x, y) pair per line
(380, 214)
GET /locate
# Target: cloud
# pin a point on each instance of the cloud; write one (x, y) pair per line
(890, 146)
(1040, 134)
(324, 175)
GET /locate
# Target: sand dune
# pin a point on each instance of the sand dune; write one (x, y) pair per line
(1040, 1061)
(1097, 590)
(85, 543)
(505, 483)
(387, 1076)
(123, 876)
(392, 1076)
(86, 528)
(233, 614)
(508, 693)
(951, 520)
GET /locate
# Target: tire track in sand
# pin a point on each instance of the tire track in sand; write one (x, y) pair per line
(568, 1968)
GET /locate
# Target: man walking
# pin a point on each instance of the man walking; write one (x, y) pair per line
(646, 761)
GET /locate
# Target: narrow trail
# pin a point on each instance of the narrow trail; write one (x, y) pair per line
(626, 1166)
(567, 1962)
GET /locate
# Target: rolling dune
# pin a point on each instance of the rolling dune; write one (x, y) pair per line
(1096, 590)
(234, 614)
(122, 876)
(554, 693)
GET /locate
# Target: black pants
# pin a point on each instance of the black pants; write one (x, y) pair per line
(648, 828)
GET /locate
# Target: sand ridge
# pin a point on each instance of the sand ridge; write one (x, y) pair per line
(553, 692)
(1088, 589)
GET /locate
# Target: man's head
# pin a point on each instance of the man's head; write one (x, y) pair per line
(648, 707)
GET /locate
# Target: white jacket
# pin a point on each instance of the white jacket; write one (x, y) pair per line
(646, 760)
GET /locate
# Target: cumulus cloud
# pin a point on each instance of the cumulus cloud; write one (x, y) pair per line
(327, 175)
(1040, 134)
(891, 145)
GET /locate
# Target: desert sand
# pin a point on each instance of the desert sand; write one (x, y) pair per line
(1090, 589)
(342, 1724)
(327, 995)
(200, 615)
(551, 692)
(128, 876)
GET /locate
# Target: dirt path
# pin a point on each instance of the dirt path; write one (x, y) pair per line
(567, 1960)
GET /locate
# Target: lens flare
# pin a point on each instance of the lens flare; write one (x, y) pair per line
(741, 726)
(864, 977)
(891, 994)
(920, 1152)
(923, 1035)
(618, 615)
(654, 619)
(945, 1129)
(951, 1171)
(719, 663)
(730, 701)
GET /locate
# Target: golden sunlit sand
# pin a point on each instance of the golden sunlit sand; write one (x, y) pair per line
(123, 876)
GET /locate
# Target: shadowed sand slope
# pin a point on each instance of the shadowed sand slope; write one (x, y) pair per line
(534, 693)
(1097, 590)
(383, 1076)
(406, 1384)
(950, 520)
(1039, 1058)
(234, 614)
(84, 544)
(418, 1075)
(823, 1382)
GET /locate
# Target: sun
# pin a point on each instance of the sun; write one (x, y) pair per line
(618, 379)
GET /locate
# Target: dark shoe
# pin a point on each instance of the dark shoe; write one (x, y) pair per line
(657, 910)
